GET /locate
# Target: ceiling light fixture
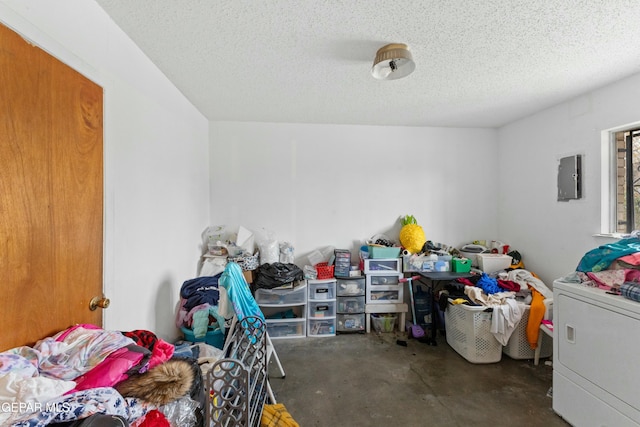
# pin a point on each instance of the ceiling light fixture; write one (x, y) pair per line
(393, 61)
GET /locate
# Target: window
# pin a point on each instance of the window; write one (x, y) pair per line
(627, 170)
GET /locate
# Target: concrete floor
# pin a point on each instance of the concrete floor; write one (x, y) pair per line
(369, 380)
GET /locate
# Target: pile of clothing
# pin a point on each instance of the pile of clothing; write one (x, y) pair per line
(85, 371)
(614, 267)
(506, 292)
(199, 312)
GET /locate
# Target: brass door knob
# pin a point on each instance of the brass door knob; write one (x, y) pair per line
(96, 302)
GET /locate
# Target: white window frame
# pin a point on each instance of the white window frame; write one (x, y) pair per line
(609, 179)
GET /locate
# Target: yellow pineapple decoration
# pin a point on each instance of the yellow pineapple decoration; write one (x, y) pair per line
(411, 234)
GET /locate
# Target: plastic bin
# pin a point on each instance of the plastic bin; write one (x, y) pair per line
(384, 322)
(518, 346)
(461, 265)
(286, 328)
(468, 331)
(351, 322)
(490, 263)
(324, 270)
(214, 337)
(384, 252)
(443, 263)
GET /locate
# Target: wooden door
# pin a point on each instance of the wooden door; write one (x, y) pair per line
(51, 194)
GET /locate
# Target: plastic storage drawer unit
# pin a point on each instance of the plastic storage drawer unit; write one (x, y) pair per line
(342, 263)
(384, 288)
(296, 295)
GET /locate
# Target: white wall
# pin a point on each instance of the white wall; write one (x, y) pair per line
(318, 185)
(553, 236)
(156, 160)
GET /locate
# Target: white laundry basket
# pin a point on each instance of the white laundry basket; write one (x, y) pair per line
(518, 346)
(468, 330)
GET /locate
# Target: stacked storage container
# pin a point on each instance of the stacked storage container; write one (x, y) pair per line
(321, 315)
(284, 310)
(383, 290)
(351, 304)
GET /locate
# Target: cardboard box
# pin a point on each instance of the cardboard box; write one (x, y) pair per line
(249, 275)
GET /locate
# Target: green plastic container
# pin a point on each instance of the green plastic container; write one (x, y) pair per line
(461, 265)
(384, 252)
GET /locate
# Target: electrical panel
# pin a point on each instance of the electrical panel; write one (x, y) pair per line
(570, 178)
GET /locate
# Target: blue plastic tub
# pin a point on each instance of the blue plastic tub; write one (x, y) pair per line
(214, 337)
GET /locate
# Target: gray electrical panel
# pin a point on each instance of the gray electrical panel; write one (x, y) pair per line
(570, 178)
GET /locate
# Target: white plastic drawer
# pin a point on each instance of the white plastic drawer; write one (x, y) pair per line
(321, 327)
(381, 265)
(296, 295)
(322, 290)
(286, 328)
(350, 322)
(383, 279)
(351, 304)
(349, 287)
(393, 295)
(286, 312)
(319, 309)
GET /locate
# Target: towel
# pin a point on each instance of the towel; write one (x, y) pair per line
(536, 313)
(527, 279)
(504, 320)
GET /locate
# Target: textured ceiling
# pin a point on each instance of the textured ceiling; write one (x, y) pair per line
(478, 63)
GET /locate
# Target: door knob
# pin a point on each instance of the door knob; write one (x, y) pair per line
(96, 302)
